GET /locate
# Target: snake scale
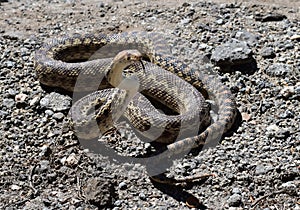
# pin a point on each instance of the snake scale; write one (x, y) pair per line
(59, 63)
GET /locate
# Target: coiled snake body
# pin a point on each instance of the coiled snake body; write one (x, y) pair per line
(58, 64)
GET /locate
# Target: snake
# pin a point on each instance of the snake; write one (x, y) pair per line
(72, 63)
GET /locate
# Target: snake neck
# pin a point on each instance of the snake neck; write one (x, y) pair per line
(130, 84)
(116, 78)
(121, 61)
(114, 74)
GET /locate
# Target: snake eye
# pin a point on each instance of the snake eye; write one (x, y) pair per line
(128, 57)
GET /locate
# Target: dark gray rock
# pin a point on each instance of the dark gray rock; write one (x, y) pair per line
(234, 53)
(99, 191)
(279, 70)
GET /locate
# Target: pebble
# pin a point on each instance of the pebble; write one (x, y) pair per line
(202, 46)
(250, 38)
(58, 116)
(185, 21)
(12, 92)
(34, 101)
(268, 52)
(272, 130)
(8, 103)
(49, 112)
(20, 98)
(234, 200)
(45, 151)
(290, 185)
(236, 191)
(142, 196)
(287, 114)
(202, 27)
(10, 64)
(15, 187)
(118, 202)
(220, 21)
(72, 160)
(261, 169)
(287, 91)
(56, 102)
(296, 37)
(122, 186)
(42, 167)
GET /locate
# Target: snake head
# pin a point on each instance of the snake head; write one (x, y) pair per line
(120, 62)
(128, 56)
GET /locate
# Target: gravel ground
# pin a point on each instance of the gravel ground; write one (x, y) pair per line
(254, 49)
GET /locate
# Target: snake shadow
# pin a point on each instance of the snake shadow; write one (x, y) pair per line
(180, 194)
(177, 192)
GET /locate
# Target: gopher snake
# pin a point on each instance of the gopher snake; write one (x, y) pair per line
(53, 66)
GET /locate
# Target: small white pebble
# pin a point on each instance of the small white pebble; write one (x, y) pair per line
(20, 98)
